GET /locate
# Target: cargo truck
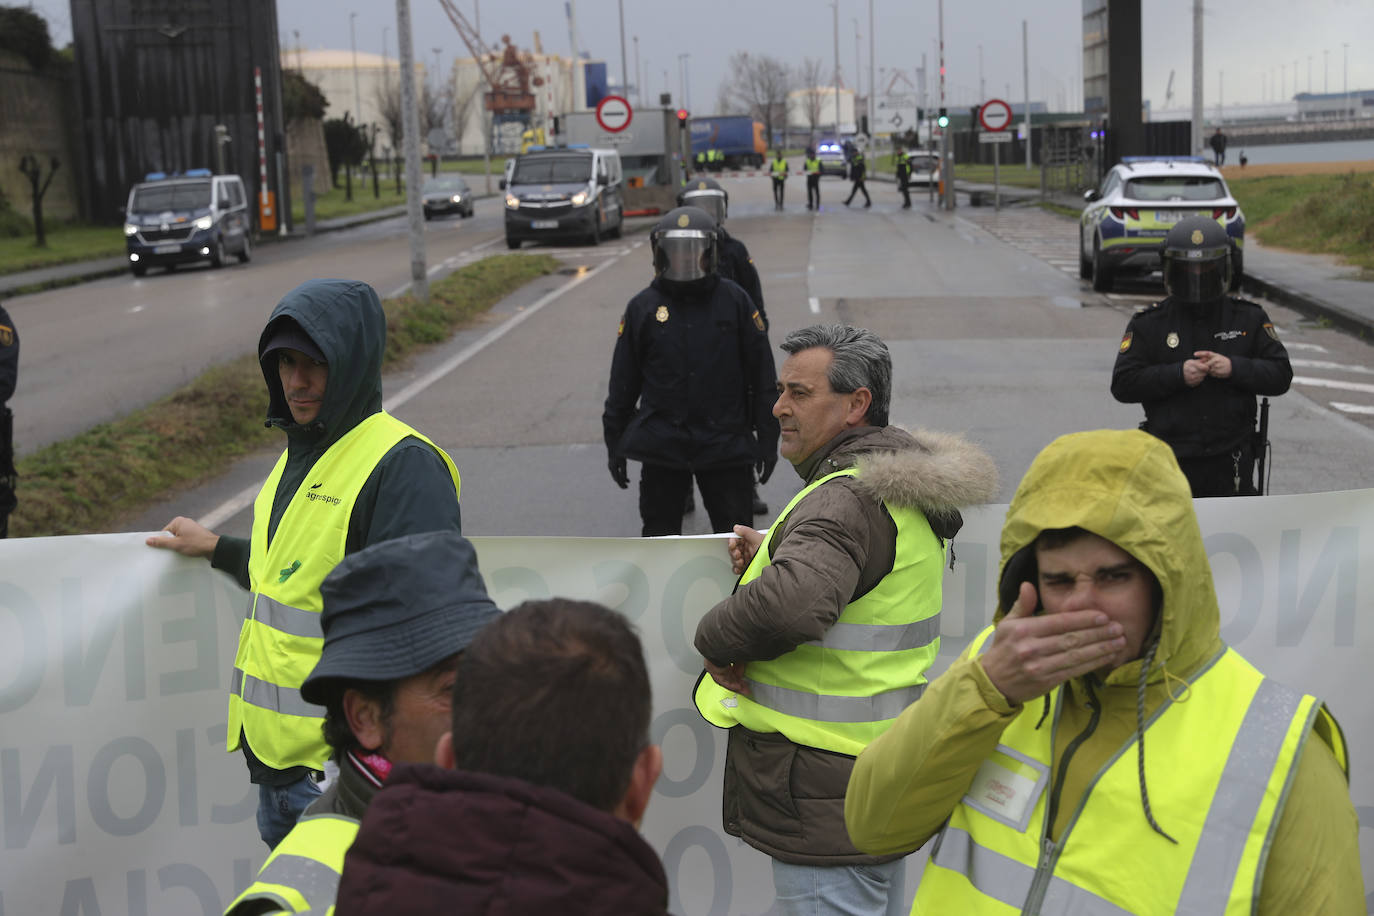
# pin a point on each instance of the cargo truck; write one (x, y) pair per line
(738, 137)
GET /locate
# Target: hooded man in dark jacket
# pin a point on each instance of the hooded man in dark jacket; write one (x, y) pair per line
(545, 778)
(835, 619)
(351, 476)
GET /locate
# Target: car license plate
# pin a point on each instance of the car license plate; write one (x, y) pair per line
(1169, 216)
(544, 224)
(167, 249)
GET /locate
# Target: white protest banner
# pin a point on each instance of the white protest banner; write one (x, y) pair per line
(118, 798)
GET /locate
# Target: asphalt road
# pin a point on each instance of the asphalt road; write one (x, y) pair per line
(990, 336)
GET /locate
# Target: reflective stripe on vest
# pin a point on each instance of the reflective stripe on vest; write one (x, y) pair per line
(280, 639)
(841, 691)
(302, 873)
(1228, 752)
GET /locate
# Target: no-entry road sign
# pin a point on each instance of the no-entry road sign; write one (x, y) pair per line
(995, 115)
(613, 113)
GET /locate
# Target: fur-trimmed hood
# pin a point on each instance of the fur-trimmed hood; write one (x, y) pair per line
(938, 473)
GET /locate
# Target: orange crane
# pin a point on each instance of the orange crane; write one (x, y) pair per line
(508, 76)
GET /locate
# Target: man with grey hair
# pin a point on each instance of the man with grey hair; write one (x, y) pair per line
(835, 620)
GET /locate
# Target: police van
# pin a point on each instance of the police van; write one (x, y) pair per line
(184, 217)
(564, 192)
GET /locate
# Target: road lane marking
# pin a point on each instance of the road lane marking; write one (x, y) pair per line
(236, 504)
(1365, 409)
(1304, 346)
(1332, 383)
(1327, 364)
(815, 305)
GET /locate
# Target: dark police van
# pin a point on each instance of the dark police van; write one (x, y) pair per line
(562, 192)
(192, 216)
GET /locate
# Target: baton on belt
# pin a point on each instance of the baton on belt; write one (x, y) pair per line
(1260, 446)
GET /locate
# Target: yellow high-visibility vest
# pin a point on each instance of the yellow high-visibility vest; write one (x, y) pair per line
(280, 640)
(841, 692)
(813, 166)
(302, 873)
(1218, 768)
(779, 168)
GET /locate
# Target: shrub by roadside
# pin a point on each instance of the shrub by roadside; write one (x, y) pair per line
(82, 485)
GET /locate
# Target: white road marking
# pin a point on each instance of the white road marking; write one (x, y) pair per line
(1366, 409)
(1332, 383)
(815, 305)
(405, 287)
(1291, 345)
(1327, 364)
(236, 504)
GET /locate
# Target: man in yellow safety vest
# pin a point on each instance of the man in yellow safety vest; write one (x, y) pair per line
(836, 617)
(396, 617)
(812, 167)
(1029, 758)
(777, 169)
(352, 475)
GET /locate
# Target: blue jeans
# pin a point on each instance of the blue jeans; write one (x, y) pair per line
(280, 806)
(841, 890)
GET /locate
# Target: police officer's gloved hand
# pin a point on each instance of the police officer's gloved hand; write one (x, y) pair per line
(619, 472)
(765, 467)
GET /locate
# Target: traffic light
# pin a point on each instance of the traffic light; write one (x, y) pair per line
(943, 119)
(682, 117)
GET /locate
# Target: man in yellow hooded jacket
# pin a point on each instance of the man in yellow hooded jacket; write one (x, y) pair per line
(1029, 757)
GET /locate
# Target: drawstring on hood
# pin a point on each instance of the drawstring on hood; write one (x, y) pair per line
(1140, 738)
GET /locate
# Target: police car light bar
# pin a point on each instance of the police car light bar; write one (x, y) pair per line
(1132, 159)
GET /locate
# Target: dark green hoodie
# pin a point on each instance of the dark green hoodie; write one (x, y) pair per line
(410, 490)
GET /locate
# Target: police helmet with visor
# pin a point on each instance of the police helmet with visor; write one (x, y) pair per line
(708, 195)
(1196, 260)
(685, 246)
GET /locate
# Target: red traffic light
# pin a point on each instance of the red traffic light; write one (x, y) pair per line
(682, 115)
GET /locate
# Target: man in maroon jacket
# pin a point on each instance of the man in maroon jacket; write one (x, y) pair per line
(536, 802)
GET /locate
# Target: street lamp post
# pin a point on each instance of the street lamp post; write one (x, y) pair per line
(835, 9)
(857, 69)
(639, 84)
(357, 96)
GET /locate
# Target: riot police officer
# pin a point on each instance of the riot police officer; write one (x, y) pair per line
(692, 384)
(1198, 359)
(735, 264)
(9, 373)
(857, 169)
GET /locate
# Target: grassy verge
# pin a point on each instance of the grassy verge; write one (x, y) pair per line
(1316, 214)
(83, 484)
(333, 203)
(67, 242)
(1060, 209)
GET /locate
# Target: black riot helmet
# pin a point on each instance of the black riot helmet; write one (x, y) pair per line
(1197, 260)
(707, 194)
(685, 245)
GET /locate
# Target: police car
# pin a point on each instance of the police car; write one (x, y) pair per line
(1123, 226)
(834, 158)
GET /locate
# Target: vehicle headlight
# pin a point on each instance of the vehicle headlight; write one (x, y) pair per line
(579, 198)
(512, 201)
(457, 198)
(205, 222)
(130, 229)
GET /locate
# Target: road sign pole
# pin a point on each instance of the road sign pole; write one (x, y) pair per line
(996, 177)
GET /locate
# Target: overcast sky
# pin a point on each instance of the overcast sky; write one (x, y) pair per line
(1245, 41)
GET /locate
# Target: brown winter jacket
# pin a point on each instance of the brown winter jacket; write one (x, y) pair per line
(785, 799)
